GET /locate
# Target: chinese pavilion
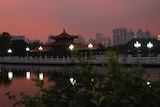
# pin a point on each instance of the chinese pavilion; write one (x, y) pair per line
(60, 47)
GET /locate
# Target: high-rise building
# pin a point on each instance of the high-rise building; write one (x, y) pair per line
(99, 37)
(141, 34)
(147, 34)
(120, 36)
(80, 39)
(105, 41)
(130, 35)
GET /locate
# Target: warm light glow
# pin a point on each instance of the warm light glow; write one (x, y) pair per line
(90, 45)
(41, 76)
(158, 37)
(10, 75)
(28, 75)
(71, 46)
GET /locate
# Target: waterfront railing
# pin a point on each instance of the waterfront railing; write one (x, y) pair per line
(94, 60)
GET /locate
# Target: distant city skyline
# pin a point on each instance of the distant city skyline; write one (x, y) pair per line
(38, 19)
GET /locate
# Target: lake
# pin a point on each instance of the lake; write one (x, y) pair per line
(18, 78)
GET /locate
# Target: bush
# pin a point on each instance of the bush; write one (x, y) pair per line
(117, 87)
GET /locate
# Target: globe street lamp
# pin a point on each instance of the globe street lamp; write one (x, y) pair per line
(40, 49)
(9, 51)
(149, 46)
(90, 46)
(27, 50)
(137, 45)
(71, 47)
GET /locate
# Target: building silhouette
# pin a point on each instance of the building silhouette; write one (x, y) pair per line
(120, 36)
(141, 34)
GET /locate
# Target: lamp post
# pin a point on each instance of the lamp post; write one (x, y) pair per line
(9, 51)
(27, 50)
(71, 47)
(40, 49)
(90, 46)
(137, 45)
(149, 46)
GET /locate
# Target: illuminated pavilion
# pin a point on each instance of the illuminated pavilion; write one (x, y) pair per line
(60, 47)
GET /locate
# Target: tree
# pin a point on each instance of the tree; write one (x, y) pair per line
(4, 43)
(19, 47)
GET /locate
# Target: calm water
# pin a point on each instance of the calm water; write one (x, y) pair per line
(16, 78)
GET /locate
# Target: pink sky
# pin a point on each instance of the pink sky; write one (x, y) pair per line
(36, 19)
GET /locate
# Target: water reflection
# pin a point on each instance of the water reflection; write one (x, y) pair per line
(18, 78)
(41, 76)
(10, 75)
(28, 75)
(8, 72)
(19, 71)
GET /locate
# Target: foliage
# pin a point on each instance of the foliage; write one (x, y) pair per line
(129, 48)
(4, 43)
(117, 87)
(19, 47)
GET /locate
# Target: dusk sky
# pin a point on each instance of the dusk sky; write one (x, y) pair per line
(36, 19)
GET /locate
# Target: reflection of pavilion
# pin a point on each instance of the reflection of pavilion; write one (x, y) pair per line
(60, 48)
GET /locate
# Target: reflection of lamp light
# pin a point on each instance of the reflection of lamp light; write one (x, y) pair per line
(28, 75)
(41, 76)
(149, 83)
(72, 81)
(149, 46)
(10, 75)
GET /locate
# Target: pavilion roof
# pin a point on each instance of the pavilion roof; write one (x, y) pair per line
(63, 35)
(77, 46)
(45, 49)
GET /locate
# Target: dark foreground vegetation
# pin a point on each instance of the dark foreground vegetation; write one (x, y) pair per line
(117, 87)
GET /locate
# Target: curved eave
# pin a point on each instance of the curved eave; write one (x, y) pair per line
(45, 49)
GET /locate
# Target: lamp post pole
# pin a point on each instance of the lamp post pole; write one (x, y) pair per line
(137, 45)
(9, 51)
(27, 50)
(149, 46)
(71, 47)
(90, 46)
(40, 49)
